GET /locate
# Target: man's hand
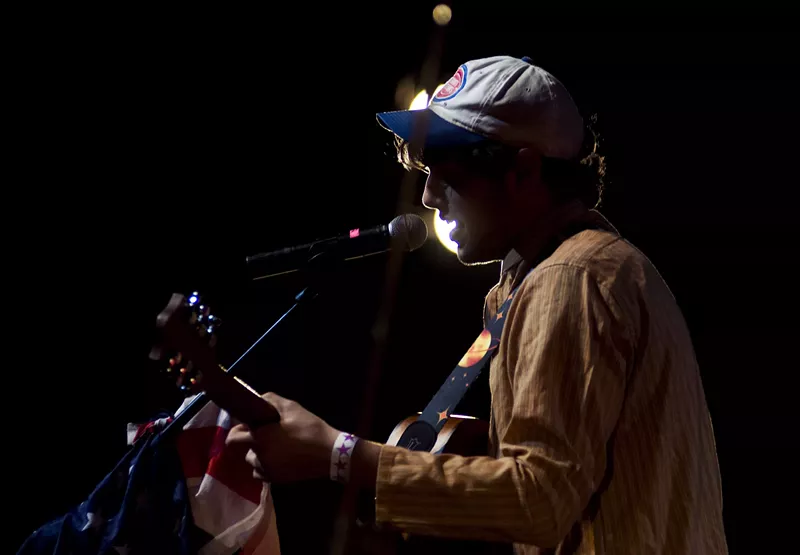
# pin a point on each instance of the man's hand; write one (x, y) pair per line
(298, 447)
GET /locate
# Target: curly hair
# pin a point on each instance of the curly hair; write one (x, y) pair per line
(580, 178)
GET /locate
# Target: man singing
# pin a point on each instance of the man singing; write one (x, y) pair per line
(600, 436)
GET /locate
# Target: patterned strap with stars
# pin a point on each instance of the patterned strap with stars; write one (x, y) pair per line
(467, 370)
(421, 434)
(340, 457)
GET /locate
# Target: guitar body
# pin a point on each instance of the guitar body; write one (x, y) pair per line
(460, 435)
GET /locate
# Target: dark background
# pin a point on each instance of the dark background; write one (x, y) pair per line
(156, 150)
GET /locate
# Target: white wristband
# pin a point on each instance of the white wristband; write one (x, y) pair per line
(340, 457)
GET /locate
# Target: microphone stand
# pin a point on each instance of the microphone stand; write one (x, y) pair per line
(318, 267)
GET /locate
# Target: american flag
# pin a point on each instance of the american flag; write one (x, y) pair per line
(189, 495)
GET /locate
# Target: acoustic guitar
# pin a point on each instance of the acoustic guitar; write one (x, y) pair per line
(188, 335)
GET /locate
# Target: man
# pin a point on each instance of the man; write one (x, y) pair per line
(601, 439)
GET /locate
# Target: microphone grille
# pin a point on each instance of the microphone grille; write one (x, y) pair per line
(409, 230)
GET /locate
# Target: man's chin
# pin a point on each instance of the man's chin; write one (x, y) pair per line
(471, 257)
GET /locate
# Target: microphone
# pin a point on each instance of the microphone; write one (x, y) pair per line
(406, 232)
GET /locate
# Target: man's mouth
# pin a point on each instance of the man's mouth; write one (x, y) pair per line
(457, 231)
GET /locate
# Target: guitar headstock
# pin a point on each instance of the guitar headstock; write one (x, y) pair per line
(188, 335)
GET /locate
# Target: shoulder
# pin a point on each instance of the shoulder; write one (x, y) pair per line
(595, 266)
(606, 256)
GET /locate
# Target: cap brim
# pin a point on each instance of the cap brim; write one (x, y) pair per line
(414, 125)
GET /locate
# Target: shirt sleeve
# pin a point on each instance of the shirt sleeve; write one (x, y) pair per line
(566, 349)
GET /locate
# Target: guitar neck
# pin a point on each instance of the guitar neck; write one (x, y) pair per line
(237, 398)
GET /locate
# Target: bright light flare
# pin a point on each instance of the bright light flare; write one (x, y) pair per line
(420, 101)
(443, 229)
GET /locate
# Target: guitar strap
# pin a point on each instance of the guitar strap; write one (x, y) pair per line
(421, 434)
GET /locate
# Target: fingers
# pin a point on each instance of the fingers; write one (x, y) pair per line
(275, 400)
(280, 403)
(239, 434)
(252, 460)
(258, 470)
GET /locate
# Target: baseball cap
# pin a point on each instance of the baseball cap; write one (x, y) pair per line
(501, 98)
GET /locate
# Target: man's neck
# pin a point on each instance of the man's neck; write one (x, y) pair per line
(534, 237)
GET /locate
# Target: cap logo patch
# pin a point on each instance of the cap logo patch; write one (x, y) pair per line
(453, 85)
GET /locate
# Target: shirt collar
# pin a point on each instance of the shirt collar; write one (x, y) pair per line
(540, 234)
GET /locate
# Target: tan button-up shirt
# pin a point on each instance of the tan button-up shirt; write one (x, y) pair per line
(601, 438)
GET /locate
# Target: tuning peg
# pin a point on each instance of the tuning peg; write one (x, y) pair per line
(174, 365)
(186, 374)
(197, 309)
(211, 324)
(175, 361)
(213, 321)
(188, 379)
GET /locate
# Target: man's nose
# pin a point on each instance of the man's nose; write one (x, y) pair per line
(432, 196)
